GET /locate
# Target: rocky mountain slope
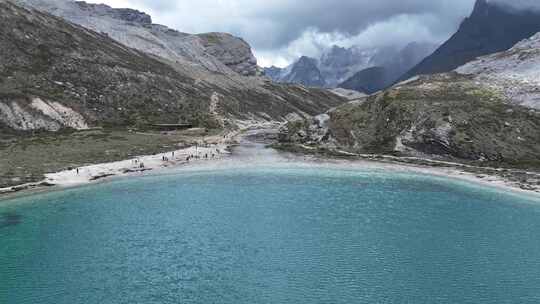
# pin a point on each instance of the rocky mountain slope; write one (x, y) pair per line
(216, 52)
(514, 74)
(55, 74)
(491, 28)
(486, 112)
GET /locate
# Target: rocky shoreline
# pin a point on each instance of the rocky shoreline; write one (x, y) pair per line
(514, 179)
(527, 182)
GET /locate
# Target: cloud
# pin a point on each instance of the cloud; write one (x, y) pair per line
(519, 4)
(280, 30)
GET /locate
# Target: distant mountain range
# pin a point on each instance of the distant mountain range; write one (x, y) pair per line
(492, 27)
(338, 65)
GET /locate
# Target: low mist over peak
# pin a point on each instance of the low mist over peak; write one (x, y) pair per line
(282, 31)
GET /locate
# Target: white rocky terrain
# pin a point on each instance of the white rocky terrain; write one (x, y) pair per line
(514, 73)
(216, 52)
(40, 115)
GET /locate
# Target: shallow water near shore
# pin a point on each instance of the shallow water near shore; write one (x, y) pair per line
(247, 230)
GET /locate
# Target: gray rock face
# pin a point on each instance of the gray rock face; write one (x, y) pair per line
(305, 72)
(514, 74)
(135, 29)
(234, 52)
(125, 14)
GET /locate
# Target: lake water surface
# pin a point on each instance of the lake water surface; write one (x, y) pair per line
(286, 233)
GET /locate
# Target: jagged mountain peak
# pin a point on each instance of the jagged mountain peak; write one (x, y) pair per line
(480, 7)
(305, 71)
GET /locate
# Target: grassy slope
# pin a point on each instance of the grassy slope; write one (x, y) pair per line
(447, 116)
(27, 159)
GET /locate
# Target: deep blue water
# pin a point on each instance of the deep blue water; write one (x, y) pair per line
(271, 235)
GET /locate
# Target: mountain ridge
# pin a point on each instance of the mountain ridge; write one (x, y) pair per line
(210, 51)
(338, 65)
(478, 35)
(56, 75)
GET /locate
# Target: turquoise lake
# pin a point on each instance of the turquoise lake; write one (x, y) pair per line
(272, 234)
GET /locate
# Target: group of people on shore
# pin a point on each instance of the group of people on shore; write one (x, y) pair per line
(198, 155)
(137, 162)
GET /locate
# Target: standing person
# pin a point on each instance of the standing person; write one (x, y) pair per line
(77, 171)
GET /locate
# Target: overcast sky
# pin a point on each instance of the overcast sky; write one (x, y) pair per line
(282, 30)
